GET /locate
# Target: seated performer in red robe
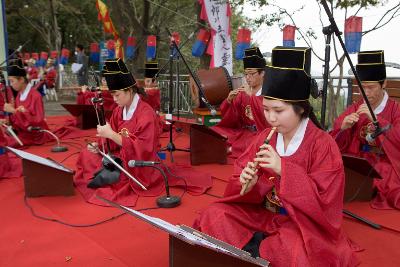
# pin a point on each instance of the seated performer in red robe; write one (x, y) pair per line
(152, 97)
(28, 109)
(50, 74)
(291, 212)
(242, 113)
(352, 130)
(133, 135)
(4, 162)
(32, 71)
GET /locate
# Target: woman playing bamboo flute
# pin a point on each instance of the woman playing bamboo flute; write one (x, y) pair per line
(291, 211)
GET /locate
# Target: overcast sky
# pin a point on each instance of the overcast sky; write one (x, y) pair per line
(386, 38)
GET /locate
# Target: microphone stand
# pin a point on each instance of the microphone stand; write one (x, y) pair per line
(197, 82)
(178, 86)
(171, 146)
(378, 130)
(57, 147)
(180, 47)
(166, 201)
(335, 30)
(328, 30)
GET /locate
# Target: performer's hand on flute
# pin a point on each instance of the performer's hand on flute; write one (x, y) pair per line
(268, 158)
(245, 186)
(233, 94)
(248, 178)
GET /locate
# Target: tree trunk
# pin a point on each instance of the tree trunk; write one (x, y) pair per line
(57, 38)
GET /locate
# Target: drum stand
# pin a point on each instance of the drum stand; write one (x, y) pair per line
(171, 146)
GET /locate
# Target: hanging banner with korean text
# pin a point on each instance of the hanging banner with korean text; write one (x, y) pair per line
(217, 13)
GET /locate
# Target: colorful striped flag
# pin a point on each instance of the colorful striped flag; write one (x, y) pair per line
(151, 47)
(199, 47)
(64, 56)
(242, 43)
(94, 53)
(288, 35)
(130, 51)
(353, 34)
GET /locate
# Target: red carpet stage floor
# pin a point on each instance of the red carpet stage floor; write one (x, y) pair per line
(26, 240)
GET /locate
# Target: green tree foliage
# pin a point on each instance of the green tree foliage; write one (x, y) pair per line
(77, 23)
(33, 21)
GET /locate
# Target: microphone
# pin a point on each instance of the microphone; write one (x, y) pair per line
(96, 100)
(370, 137)
(141, 163)
(213, 111)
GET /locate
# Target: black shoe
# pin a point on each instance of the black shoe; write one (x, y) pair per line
(253, 246)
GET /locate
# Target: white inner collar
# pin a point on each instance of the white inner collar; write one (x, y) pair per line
(25, 93)
(127, 114)
(259, 91)
(295, 143)
(383, 103)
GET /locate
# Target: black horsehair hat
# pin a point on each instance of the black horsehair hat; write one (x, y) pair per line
(253, 59)
(16, 68)
(117, 75)
(151, 69)
(288, 78)
(371, 66)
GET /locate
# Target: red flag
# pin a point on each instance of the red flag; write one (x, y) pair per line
(104, 16)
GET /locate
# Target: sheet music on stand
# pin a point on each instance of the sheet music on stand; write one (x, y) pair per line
(190, 235)
(38, 159)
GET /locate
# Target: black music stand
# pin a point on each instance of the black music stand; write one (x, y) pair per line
(85, 115)
(44, 177)
(359, 178)
(207, 146)
(188, 247)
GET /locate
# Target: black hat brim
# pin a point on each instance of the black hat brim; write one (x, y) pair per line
(371, 72)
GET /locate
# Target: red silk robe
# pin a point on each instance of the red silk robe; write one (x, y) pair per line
(153, 98)
(140, 144)
(10, 165)
(50, 77)
(32, 73)
(2, 98)
(387, 165)
(239, 119)
(32, 116)
(4, 163)
(311, 191)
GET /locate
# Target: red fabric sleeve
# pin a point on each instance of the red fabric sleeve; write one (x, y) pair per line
(34, 111)
(230, 113)
(343, 138)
